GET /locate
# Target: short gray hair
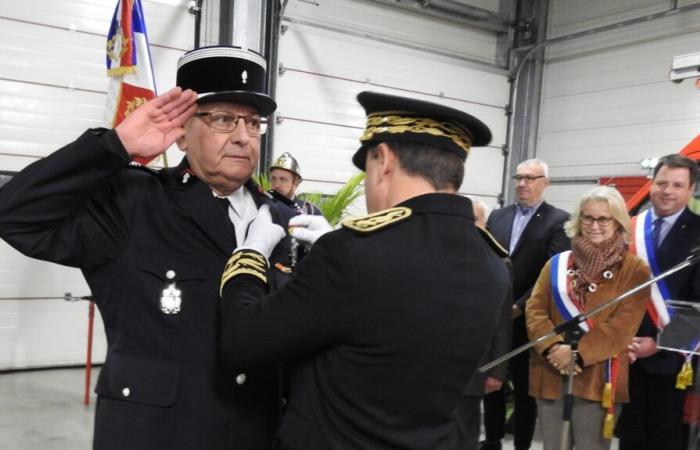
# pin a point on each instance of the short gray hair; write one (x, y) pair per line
(616, 205)
(538, 162)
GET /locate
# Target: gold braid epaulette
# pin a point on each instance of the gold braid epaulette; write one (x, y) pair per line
(493, 243)
(378, 220)
(244, 262)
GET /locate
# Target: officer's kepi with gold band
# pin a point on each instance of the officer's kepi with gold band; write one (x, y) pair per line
(391, 118)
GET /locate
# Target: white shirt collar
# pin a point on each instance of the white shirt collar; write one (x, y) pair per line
(241, 212)
(668, 220)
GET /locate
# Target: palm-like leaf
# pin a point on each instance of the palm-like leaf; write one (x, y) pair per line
(333, 206)
(263, 181)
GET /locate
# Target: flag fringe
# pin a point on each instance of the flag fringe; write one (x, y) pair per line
(119, 71)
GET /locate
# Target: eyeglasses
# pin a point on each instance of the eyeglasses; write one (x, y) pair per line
(526, 178)
(603, 221)
(227, 122)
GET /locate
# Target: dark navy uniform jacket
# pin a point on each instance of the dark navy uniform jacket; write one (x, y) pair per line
(298, 205)
(385, 326)
(133, 232)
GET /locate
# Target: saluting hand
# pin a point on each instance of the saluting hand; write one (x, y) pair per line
(154, 126)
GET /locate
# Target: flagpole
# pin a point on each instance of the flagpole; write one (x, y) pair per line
(196, 9)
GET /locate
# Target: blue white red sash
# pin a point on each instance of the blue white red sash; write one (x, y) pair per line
(567, 305)
(643, 246)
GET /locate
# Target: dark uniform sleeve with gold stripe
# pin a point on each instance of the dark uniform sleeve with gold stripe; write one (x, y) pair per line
(309, 313)
(245, 262)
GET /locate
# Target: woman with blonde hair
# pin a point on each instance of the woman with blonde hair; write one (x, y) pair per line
(596, 270)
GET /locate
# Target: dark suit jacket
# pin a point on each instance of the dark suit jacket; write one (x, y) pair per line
(683, 285)
(542, 238)
(388, 327)
(164, 384)
(499, 346)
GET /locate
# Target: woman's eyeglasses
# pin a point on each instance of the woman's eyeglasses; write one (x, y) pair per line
(603, 221)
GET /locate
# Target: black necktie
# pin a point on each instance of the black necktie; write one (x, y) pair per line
(224, 205)
(656, 231)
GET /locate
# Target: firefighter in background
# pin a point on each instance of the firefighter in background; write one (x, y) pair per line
(285, 178)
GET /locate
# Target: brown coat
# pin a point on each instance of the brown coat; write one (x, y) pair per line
(613, 329)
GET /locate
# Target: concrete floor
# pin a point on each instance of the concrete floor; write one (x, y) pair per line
(43, 410)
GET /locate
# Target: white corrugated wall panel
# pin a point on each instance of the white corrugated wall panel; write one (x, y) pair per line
(571, 16)
(52, 87)
(607, 102)
(323, 70)
(377, 21)
(565, 196)
(53, 71)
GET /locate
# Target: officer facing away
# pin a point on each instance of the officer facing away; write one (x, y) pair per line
(385, 320)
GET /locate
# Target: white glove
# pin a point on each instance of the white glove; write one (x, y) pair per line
(263, 235)
(307, 228)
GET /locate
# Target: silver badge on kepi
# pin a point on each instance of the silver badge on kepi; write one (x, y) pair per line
(170, 299)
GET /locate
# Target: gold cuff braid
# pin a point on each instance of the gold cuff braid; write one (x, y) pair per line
(244, 262)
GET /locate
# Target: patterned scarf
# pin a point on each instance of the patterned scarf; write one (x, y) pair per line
(592, 260)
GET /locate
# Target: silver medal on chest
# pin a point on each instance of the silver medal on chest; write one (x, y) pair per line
(170, 299)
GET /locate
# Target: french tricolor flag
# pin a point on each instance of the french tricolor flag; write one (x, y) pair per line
(128, 62)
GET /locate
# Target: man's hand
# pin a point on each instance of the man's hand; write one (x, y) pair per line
(517, 312)
(641, 347)
(263, 234)
(153, 127)
(492, 385)
(307, 228)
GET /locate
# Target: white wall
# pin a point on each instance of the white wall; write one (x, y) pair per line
(607, 102)
(333, 51)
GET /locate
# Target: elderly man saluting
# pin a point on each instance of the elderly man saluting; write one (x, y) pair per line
(152, 246)
(385, 319)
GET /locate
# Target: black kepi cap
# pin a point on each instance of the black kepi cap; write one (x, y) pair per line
(226, 74)
(394, 118)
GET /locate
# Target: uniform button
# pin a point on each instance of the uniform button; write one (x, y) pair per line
(170, 274)
(240, 378)
(126, 392)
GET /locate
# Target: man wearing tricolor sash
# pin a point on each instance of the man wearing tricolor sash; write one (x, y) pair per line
(663, 237)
